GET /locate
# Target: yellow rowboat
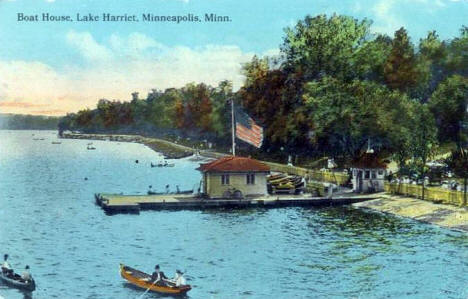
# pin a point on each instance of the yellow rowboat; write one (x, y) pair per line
(144, 281)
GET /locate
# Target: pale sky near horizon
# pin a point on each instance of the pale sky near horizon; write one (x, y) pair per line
(53, 68)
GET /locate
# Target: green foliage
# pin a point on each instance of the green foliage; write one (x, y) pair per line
(423, 137)
(369, 60)
(324, 45)
(457, 60)
(345, 115)
(400, 69)
(335, 87)
(449, 104)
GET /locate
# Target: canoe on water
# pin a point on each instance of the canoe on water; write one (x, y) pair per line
(143, 280)
(16, 281)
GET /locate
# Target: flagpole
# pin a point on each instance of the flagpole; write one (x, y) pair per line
(233, 129)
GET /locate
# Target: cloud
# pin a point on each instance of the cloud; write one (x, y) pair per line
(386, 19)
(388, 16)
(21, 105)
(113, 69)
(87, 46)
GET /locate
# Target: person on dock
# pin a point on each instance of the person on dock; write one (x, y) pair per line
(167, 189)
(26, 276)
(179, 279)
(177, 189)
(6, 268)
(158, 276)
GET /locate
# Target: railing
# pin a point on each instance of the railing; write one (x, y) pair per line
(434, 194)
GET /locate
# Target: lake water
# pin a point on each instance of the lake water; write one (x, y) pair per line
(49, 221)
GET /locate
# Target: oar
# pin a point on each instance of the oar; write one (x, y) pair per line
(142, 295)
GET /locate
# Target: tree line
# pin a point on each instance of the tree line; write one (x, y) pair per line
(28, 122)
(334, 87)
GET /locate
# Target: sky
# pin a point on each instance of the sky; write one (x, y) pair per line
(54, 68)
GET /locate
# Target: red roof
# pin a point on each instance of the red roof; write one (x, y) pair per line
(234, 164)
(368, 160)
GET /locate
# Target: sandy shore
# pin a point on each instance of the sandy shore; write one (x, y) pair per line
(448, 216)
(170, 150)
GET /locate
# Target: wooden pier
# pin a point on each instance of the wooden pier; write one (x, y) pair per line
(114, 203)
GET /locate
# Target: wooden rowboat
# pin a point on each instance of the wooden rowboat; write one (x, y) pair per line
(143, 280)
(16, 281)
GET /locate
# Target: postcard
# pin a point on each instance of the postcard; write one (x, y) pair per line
(233, 149)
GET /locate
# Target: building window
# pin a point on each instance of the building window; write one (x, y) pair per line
(374, 174)
(380, 173)
(250, 179)
(225, 179)
(367, 174)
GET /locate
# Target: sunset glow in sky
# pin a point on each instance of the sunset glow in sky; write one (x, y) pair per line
(53, 68)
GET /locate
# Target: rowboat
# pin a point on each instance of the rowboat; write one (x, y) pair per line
(144, 281)
(16, 281)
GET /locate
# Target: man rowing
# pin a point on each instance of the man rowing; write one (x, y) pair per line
(158, 276)
(6, 268)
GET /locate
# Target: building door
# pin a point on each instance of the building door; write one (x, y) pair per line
(359, 181)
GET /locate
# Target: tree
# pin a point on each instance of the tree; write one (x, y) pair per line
(369, 60)
(430, 65)
(424, 140)
(321, 45)
(344, 115)
(457, 56)
(400, 68)
(458, 162)
(448, 104)
(221, 112)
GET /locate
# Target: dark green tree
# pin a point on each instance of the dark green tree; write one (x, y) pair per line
(400, 69)
(449, 105)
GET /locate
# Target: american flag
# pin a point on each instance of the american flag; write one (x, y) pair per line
(247, 129)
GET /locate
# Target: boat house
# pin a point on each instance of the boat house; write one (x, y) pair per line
(234, 177)
(368, 174)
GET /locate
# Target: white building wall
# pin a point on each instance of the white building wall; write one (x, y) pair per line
(215, 188)
(376, 179)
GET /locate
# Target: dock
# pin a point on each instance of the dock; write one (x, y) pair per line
(117, 203)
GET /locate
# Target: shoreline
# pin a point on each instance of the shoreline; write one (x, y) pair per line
(443, 215)
(168, 149)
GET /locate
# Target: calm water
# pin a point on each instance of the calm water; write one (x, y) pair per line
(49, 221)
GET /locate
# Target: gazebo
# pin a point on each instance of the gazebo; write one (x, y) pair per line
(368, 173)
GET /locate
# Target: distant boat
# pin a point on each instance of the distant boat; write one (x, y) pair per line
(90, 147)
(56, 142)
(165, 164)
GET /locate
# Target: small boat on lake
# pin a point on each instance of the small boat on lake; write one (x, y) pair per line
(89, 147)
(144, 281)
(15, 280)
(56, 142)
(165, 164)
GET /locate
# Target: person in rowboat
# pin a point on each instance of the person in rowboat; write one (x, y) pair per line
(6, 268)
(158, 276)
(179, 279)
(26, 276)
